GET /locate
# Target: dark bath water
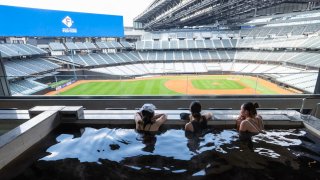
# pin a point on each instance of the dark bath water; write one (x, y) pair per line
(125, 154)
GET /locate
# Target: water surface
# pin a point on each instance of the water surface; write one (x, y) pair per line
(126, 154)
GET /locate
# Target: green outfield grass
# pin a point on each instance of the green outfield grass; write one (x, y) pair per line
(253, 84)
(140, 87)
(218, 84)
(157, 87)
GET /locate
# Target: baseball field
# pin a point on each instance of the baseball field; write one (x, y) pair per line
(175, 85)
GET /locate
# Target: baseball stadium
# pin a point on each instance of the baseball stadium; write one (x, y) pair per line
(72, 82)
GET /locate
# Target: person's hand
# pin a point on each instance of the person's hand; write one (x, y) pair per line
(259, 117)
(208, 116)
(241, 118)
(156, 116)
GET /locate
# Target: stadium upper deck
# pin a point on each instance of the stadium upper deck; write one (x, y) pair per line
(164, 14)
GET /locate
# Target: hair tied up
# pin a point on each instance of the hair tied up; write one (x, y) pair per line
(251, 108)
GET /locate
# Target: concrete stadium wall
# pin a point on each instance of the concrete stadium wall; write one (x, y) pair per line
(162, 102)
(88, 75)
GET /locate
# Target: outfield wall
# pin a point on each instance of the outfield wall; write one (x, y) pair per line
(89, 75)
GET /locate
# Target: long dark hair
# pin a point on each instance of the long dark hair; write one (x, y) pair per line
(147, 117)
(251, 108)
(195, 108)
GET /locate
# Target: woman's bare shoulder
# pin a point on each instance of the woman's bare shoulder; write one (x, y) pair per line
(246, 121)
(188, 126)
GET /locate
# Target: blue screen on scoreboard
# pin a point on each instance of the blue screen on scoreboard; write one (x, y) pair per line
(19, 21)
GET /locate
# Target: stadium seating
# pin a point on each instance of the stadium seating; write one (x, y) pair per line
(109, 45)
(299, 58)
(116, 45)
(126, 45)
(296, 42)
(26, 87)
(98, 58)
(80, 45)
(89, 45)
(55, 46)
(101, 45)
(305, 81)
(12, 50)
(71, 46)
(185, 44)
(16, 68)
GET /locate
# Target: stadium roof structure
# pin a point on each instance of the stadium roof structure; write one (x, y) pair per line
(165, 14)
